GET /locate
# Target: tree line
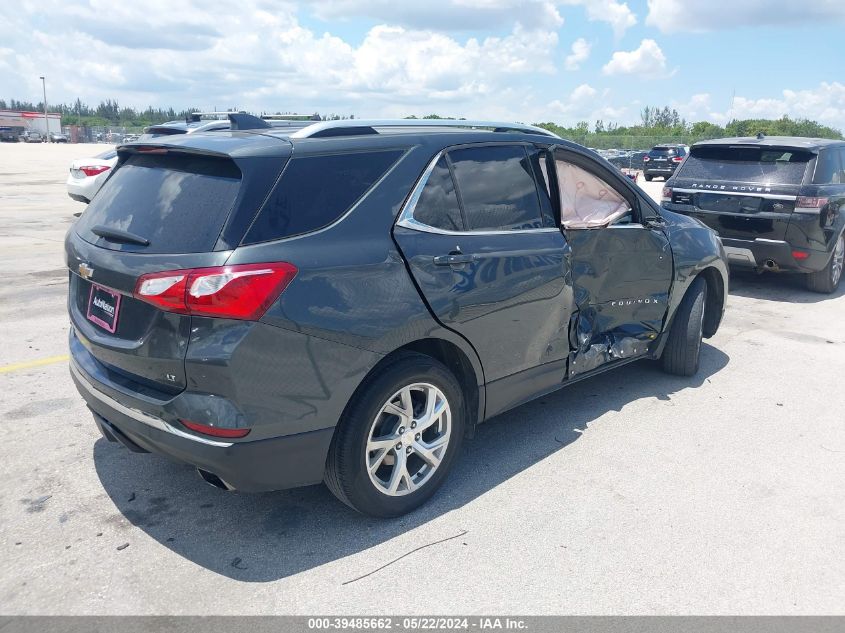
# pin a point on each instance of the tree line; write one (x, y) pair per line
(657, 124)
(666, 125)
(110, 114)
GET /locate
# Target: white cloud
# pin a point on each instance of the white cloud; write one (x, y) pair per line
(581, 104)
(648, 59)
(825, 104)
(617, 14)
(580, 53)
(710, 15)
(263, 60)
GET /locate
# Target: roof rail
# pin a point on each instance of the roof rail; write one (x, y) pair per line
(291, 117)
(354, 126)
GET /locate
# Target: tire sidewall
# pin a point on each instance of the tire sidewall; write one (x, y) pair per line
(358, 487)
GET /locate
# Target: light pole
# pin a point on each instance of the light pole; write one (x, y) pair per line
(46, 121)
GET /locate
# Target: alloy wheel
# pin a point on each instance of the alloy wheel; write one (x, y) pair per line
(408, 439)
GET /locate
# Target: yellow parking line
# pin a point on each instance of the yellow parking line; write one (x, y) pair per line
(5, 369)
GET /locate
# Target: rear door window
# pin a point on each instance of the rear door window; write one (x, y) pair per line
(497, 188)
(746, 164)
(828, 168)
(314, 191)
(178, 202)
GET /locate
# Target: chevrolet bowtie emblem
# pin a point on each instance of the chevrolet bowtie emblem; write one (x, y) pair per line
(85, 271)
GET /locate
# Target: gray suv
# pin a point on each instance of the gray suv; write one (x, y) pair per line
(345, 302)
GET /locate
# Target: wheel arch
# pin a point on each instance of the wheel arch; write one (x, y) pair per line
(458, 361)
(714, 308)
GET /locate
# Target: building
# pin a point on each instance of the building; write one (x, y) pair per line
(20, 121)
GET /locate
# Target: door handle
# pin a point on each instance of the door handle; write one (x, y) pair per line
(453, 259)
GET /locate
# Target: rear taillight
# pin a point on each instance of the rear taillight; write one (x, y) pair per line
(809, 204)
(215, 431)
(677, 159)
(666, 196)
(646, 159)
(93, 170)
(242, 291)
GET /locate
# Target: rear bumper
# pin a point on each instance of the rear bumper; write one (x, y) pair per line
(252, 466)
(775, 255)
(663, 170)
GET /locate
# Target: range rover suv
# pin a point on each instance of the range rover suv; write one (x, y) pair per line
(663, 160)
(778, 203)
(346, 302)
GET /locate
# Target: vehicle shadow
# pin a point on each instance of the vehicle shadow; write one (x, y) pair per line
(784, 287)
(264, 537)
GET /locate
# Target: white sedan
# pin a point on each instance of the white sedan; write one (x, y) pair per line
(87, 175)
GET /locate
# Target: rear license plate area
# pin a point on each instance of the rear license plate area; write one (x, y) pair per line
(728, 204)
(103, 307)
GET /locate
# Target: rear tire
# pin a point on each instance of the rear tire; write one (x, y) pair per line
(648, 178)
(683, 349)
(826, 280)
(398, 438)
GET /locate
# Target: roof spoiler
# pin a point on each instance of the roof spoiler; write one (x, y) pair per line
(243, 121)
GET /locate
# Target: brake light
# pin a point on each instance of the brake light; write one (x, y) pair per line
(666, 196)
(677, 159)
(93, 170)
(646, 159)
(242, 291)
(809, 204)
(215, 431)
(800, 255)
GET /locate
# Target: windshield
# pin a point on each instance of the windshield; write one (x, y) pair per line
(734, 163)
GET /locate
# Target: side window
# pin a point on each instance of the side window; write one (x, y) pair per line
(314, 191)
(827, 168)
(497, 188)
(587, 201)
(438, 203)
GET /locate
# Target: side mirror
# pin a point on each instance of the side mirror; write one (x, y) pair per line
(654, 222)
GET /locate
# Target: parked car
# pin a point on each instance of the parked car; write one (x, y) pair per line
(663, 160)
(55, 137)
(30, 136)
(9, 134)
(199, 122)
(346, 302)
(87, 175)
(778, 203)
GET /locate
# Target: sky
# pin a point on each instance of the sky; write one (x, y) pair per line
(517, 60)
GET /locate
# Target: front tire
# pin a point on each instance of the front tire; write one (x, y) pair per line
(826, 280)
(648, 178)
(398, 438)
(683, 349)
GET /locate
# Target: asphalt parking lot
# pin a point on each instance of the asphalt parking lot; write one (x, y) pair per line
(633, 493)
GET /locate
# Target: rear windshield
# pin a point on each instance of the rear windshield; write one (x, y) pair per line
(661, 151)
(746, 164)
(177, 202)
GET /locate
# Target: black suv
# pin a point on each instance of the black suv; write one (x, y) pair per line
(778, 203)
(344, 303)
(663, 160)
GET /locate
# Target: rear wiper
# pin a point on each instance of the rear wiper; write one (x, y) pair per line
(116, 235)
